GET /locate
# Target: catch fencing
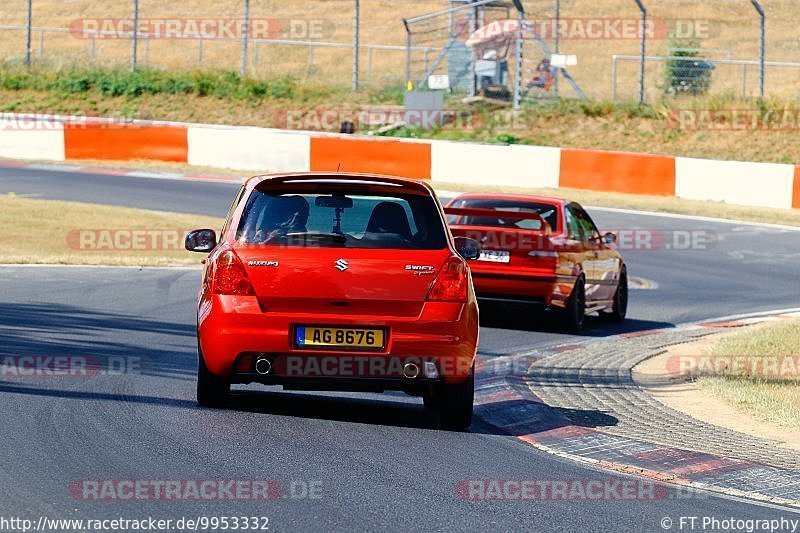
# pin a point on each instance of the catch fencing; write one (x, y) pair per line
(627, 50)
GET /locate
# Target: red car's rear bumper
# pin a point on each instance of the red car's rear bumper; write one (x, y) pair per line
(230, 326)
(544, 289)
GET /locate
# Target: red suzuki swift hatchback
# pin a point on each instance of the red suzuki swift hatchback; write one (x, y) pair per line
(338, 282)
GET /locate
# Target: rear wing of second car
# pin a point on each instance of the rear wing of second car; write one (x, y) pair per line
(476, 212)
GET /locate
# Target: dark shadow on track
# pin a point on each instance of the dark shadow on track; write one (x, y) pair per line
(363, 411)
(20, 387)
(526, 318)
(63, 330)
(539, 418)
(381, 410)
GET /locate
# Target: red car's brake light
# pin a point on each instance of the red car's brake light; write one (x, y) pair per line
(451, 284)
(229, 276)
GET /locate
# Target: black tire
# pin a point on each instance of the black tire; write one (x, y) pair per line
(574, 315)
(453, 403)
(620, 307)
(212, 391)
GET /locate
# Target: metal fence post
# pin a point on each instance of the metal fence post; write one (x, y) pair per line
(518, 60)
(28, 24)
(762, 47)
(557, 42)
(473, 27)
(408, 55)
(356, 41)
(245, 31)
(135, 37)
(744, 80)
(369, 64)
(642, 60)
(614, 78)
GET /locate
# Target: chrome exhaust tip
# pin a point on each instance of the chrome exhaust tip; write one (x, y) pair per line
(263, 366)
(410, 370)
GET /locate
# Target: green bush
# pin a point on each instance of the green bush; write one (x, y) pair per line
(691, 75)
(115, 82)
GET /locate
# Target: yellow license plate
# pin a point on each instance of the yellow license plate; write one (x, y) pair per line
(339, 338)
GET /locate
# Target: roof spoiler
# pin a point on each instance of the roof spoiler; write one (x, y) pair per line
(498, 213)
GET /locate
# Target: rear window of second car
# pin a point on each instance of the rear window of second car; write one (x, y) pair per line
(549, 212)
(396, 221)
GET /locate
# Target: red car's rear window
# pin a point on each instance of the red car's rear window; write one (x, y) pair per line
(549, 212)
(334, 217)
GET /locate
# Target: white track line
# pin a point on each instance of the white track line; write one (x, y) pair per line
(693, 217)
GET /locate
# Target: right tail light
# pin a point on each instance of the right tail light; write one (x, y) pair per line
(452, 283)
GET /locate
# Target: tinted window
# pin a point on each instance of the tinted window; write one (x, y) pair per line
(548, 212)
(234, 205)
(573, 226)
(584, 222)
(343, 220)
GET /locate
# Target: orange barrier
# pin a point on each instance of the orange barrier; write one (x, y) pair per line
(103, 141)
(618, 172)
(373, 156)
(796, 195)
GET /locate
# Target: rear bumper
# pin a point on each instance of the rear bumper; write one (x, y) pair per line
(351, 384)
(230, 326)
(549, 291)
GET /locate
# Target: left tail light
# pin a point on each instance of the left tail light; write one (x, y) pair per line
(451, 284)
(228, 275)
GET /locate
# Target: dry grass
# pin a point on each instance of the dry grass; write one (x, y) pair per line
(614, 130)
(45, 232)
(733, 30)
(774, 399)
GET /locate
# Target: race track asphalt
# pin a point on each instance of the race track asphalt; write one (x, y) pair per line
(380, 461)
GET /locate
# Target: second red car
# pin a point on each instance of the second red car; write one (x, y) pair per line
(545, 251)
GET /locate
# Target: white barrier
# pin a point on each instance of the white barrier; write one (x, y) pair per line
(486, 164)
(37, 144)
(261, 150)
(735, 182)
(251, 149)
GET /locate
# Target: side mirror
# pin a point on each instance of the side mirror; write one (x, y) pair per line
(201, 240)
(467, 248)
(609, 238)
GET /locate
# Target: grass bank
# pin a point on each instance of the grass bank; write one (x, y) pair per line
(71, 233)
(227, 98)
(769, 396)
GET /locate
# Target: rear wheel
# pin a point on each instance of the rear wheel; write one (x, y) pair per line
(619, 310)
(212, 391)
(453, 403)
(573, 316)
